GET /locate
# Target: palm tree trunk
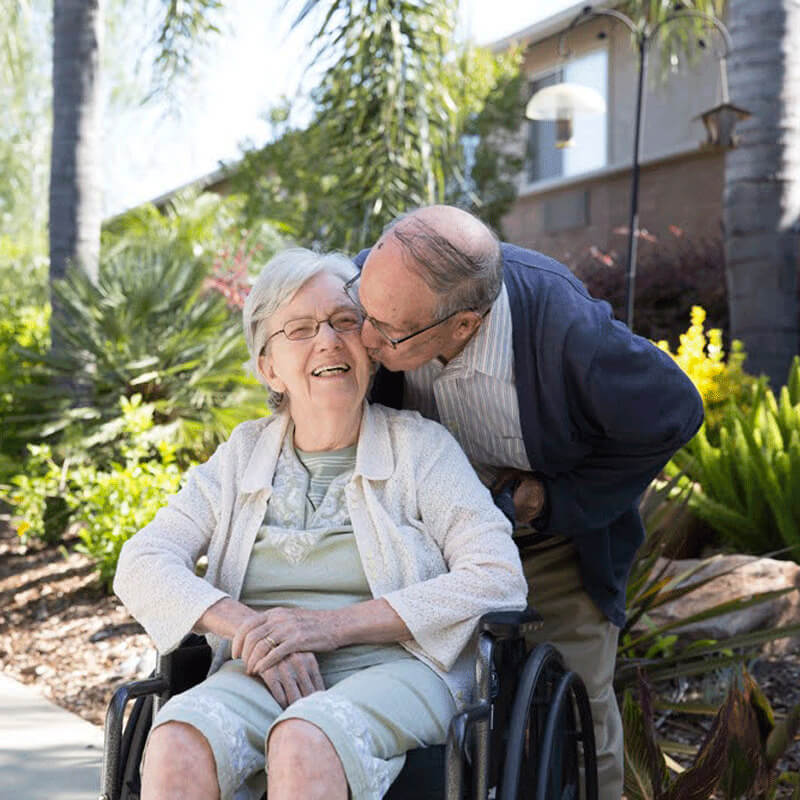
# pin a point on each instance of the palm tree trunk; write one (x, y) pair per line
(762, 184)
(75, 190)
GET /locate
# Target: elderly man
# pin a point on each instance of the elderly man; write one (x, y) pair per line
(563, 411)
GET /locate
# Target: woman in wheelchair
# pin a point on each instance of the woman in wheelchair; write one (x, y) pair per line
(351, 551)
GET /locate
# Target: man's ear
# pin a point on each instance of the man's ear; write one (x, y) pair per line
(265, 367)
(467, 324)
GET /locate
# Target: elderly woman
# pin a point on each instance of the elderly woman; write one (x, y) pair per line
(351, 551)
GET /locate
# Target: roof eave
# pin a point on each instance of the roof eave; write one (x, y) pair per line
(546, 27)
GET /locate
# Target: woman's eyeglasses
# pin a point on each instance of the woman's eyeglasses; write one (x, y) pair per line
(343, 321)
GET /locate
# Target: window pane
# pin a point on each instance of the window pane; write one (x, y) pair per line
(588, 151)
(544, 159)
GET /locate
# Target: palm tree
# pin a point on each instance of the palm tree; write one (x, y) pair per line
(75, 179)
(75, 192)
(761, 200)
(762, 184)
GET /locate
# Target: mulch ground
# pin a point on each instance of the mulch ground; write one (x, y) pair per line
(61, 633)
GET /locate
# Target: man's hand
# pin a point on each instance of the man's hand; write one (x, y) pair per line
(294, 677)
(529, 496)
(529, 499)
(266, 639)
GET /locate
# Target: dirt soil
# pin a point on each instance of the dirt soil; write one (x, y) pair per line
(61, 633)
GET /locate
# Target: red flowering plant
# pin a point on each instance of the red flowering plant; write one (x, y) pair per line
(231, 271)
(674, 274)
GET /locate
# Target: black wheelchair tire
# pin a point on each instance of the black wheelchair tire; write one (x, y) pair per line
(543, 667)
(569, 695)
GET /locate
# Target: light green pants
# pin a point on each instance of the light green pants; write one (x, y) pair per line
(371, 716)
(588, 642)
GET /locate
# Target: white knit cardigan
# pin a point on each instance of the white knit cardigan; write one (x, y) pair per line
(432, 542)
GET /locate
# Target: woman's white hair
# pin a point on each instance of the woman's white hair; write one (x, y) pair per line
(278, 282)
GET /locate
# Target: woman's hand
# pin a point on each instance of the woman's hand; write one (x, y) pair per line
(294, 677)
(266, 639)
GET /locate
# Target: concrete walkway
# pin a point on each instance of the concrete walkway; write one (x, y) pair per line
(46, 753)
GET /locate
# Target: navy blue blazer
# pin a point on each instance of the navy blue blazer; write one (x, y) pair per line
(601, 409)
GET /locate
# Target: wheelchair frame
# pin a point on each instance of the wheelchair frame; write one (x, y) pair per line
(529, 736)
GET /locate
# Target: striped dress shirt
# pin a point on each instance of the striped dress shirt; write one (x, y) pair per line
(474, 396)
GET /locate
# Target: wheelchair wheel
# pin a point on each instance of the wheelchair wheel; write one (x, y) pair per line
(550, 735)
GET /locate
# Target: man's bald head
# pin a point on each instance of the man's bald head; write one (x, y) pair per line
(456, 255)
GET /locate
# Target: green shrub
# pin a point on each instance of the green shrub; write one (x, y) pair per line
(157, 324)
(21, 326)
(747, 487)
(113, 504)
(107, 504)
(32, 495)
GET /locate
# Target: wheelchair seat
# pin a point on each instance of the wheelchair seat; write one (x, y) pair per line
(528, 736)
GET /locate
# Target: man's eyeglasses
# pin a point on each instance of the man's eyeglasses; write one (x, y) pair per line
(351, 289)
(348, 320)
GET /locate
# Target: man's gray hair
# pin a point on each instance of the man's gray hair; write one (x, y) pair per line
(462, 279)
(277, 284)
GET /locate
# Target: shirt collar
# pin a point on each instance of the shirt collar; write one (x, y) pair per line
(374, 457)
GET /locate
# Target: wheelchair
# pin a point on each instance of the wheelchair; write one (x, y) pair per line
(528, 736)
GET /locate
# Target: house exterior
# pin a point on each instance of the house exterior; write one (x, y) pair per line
(575, 202)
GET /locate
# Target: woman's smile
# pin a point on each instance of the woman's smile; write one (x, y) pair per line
(331, 371)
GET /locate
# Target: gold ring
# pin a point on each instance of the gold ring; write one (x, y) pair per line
(271, 642)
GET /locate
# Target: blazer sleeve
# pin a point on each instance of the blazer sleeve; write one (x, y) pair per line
(156, 577)
(634, 408)
(484, 571)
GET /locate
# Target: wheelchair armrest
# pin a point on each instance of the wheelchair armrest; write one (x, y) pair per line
(510, 624)
(187, 665)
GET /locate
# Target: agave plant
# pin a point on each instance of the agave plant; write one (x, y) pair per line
(749, 485)
(151, 327)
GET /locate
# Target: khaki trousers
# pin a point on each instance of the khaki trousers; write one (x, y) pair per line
(586, 639)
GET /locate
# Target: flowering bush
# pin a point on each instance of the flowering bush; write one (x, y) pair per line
(231, 272)
(701, 356)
